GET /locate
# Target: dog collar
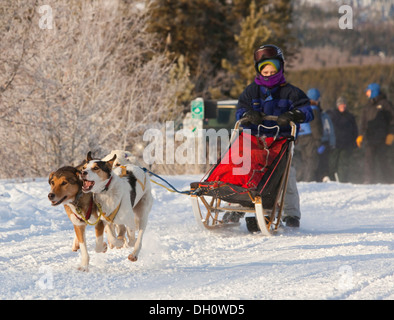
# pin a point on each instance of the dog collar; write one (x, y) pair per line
(107, 185)
(89, 212)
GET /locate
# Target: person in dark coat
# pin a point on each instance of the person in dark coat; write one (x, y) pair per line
(346, 132)
(376, 136)
(306, 156)
(270, 94)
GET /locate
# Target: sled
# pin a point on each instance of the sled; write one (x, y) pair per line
(221, 199)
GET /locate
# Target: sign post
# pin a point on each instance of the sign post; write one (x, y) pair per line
(198, 109)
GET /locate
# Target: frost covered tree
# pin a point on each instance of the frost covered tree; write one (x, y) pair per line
(94, 81)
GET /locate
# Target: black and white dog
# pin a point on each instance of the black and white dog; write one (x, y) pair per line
(123, 196)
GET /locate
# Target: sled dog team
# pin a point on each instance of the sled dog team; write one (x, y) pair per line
(112, 193)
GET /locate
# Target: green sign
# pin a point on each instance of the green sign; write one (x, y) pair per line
(198, 109)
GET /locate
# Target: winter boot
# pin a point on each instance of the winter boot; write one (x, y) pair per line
(293, 222)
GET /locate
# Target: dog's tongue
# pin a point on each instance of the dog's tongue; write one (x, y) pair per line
(87, 185)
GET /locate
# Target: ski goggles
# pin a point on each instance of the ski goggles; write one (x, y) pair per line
(265, 52)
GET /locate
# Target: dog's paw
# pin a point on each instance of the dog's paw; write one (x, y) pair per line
(102, 248)
(75, 248)
(125, 243)
(83, 268)
(115, 244)
(132, 257)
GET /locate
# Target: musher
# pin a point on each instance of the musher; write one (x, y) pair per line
(270, 94)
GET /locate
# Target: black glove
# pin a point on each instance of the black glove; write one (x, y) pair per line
(252, 117)
(294, 115)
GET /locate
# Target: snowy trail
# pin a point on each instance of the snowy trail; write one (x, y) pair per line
(343, 250)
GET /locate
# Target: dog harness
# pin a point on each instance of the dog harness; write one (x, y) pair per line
(124, 173)
(88, 213)
(112, 216)
(85, 218)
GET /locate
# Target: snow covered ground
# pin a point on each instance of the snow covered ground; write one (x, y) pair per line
(343, 250)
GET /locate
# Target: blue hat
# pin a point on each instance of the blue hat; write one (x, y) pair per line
(273, 62)
(313, 94)
(375, 90)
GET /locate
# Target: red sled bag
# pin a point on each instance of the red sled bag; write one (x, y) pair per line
(247, 160)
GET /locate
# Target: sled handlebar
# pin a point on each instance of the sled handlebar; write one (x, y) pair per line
(271, 118)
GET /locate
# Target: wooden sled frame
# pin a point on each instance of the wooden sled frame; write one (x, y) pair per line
(209, 211)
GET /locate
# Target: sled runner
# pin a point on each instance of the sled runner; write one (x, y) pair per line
(255, 191)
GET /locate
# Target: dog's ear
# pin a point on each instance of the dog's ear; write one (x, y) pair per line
(50, 177)
(110, 163)
(89, 156)
(80, 166)
(79, 169)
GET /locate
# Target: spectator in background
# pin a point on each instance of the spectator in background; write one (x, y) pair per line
(346, 133)
(306, 157)
(327, 140)
(376, 135)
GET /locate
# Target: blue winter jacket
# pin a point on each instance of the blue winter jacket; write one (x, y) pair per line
(273, 102)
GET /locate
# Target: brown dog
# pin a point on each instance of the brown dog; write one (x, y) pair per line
(66, 189)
